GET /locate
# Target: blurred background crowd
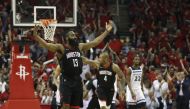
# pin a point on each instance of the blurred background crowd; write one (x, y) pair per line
(159, 30)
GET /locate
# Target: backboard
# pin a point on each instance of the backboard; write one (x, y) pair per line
(28, 12)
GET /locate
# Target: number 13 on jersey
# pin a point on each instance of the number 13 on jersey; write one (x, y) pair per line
(75, 63)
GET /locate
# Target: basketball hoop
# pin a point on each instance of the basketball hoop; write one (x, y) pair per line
(49, 26)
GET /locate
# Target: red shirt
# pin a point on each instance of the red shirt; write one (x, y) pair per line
(101, 45)
(116, 45)
(152, 43)
(172, 58)
(164, 40)
(103, 20)
(151, 76)
(178, 41)
(4, 96)
(50, 55)
(130, 56)
(89, 20)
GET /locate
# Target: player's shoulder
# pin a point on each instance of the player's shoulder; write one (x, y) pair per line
(81, 45)
(129, 70)
(115, 66)
(60, 46)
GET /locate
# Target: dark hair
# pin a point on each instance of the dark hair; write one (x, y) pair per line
(54, 87)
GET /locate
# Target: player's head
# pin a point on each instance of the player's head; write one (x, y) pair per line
(104, 58)
(159, 77)
(136, 60)
(72, 39)
(181, 75)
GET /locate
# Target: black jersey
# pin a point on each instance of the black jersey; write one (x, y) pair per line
(106, 77)
(71, 65)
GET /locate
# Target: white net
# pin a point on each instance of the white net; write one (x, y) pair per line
(49, 26)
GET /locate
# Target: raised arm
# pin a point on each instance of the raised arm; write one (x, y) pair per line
(96, 41)
(9, 33)
(49, 46)
(183, 67)
(114, 54)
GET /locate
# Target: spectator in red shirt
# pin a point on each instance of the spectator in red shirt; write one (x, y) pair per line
(179, 38)
(130, 56)
(152, 42)
(116, 45)
(151, 73)
(103, 17)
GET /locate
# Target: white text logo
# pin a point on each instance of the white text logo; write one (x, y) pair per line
(22, 73)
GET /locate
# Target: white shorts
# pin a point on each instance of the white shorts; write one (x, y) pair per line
(102, 103)
(86, 103)
(139, 97)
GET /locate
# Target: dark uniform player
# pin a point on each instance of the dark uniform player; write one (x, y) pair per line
(71, 64)
(106, 78)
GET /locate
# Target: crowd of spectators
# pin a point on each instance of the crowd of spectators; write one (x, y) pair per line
(159, 32)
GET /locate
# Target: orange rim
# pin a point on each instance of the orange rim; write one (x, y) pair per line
(46, 22)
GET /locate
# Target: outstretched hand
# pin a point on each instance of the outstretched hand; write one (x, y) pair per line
(109, 25)
(35, 30)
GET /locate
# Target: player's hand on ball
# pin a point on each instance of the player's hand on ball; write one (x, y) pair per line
(109, 25)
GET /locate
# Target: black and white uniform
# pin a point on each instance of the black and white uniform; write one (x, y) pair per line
(135, 80)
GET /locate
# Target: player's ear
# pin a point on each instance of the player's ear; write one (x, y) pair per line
(66, 39)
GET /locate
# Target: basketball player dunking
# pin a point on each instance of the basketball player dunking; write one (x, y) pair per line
(71, 64)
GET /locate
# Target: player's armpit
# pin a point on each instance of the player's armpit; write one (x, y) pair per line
(120, 74)
(118, 71)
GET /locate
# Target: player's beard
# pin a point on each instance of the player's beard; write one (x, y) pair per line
(74, 42)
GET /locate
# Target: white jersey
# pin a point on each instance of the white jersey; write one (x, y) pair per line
(135, 81)
(136, 76)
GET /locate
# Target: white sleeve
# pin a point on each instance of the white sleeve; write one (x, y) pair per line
(58, 97)
(152, 89)
(114, 28)
(95, 83)
(156, 103)
(164, 87)
(153, 85)
(43, 100)
(148, 102)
